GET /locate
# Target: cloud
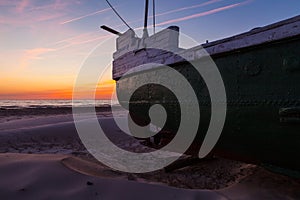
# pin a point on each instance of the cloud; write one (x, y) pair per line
(80, 39)
(26, 13)
(36, 52)
(84, 16)
(77, 37)
(177, 10)
(22, 5)
(202, 13)
(187, 8)
(33, 54)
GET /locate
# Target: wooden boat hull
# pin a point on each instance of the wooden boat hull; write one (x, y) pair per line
(263, 103)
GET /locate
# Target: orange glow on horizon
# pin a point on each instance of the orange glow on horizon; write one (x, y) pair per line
(104, 91)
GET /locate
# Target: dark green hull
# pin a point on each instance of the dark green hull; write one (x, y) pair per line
(262, 85)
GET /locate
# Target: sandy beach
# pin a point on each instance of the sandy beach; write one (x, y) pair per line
(42, 157)
(143, 100)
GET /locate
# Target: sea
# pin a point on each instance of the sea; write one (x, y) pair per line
(21, 104)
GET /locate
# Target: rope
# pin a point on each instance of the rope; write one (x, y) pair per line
(117, 14)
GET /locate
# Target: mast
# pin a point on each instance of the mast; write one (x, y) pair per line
(153, 14)
(145, 31)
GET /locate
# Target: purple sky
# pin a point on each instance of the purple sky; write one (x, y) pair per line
(44, 42)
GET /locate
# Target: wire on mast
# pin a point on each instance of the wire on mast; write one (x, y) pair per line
(118, 14)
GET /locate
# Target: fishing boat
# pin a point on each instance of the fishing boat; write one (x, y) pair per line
(260, 70)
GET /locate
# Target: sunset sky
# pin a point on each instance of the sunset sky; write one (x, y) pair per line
(45, 42)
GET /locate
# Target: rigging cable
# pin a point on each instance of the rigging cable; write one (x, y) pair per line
(118, 14)
(153, 13)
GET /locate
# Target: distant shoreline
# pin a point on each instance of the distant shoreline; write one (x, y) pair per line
(13, 114)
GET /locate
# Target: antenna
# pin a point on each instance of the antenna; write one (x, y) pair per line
(145, 31)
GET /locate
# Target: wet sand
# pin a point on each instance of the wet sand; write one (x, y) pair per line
(43, 157)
